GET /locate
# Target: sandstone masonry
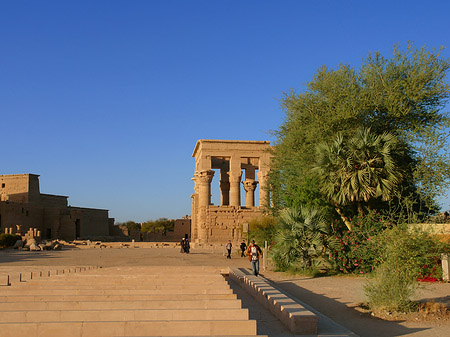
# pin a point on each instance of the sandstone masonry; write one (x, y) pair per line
(23, 207)
(237, 161)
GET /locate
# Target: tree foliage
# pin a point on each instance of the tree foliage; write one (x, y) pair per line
(403, 95)
(131, 225)
(159, 225)
(359, 169)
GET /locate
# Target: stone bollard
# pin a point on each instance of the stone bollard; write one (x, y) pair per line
(445, 267)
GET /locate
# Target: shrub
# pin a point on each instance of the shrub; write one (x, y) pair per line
(404, 258)
(392, 288)
(395, 279)
(8, 240)
(299, 242)
(357, 251)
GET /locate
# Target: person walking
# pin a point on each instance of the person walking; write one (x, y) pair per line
(243, 248)
(187, 246)
(182, 250)
(228, 246)
(253, 253)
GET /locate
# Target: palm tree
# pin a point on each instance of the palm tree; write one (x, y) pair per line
(300, 235)
(358, 170)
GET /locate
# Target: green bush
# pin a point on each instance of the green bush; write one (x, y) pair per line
(392, 287)
(300, 238)
(8, 240)
(404, 258)
(357, 251)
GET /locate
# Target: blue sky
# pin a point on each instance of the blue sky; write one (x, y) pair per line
(105, 100)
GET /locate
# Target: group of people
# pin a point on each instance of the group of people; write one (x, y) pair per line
(253, 252)
(185, 246)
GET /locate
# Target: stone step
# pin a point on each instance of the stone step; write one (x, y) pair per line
(69, 286)
(62, 292)
(115, 297)
(120, 280)
(130, 328)
(25, 316)
(105, 305)
(128, 301)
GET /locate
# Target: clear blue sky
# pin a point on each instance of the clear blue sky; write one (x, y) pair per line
(105, 100)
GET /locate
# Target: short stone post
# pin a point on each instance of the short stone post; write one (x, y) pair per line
(265, 256)
(445, 267)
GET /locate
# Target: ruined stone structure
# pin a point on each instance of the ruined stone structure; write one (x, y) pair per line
(246, 162)
(181, 229)
(23, 206)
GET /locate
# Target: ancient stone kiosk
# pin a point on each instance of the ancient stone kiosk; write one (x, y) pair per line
(237, 161)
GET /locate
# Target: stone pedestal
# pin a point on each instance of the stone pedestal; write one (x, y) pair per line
(445, 267)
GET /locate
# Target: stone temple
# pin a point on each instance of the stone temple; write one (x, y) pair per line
(237, 162)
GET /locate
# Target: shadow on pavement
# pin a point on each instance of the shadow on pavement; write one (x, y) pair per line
(360, 323)
(10, 255)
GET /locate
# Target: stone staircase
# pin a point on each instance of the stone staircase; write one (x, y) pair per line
(124, 301)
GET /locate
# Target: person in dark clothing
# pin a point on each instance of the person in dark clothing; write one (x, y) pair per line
(187, 246)
(243, 248)
(228, 246)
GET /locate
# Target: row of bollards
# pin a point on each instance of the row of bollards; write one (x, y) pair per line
(47, 273)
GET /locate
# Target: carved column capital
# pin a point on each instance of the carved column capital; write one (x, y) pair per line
(204, 177)
(249, 185)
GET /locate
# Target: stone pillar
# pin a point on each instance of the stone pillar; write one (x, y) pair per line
(235, 190)
(445, 267)
(249, 187)
(264, 198)
(224, 188)
(235, 181)
(204, 178)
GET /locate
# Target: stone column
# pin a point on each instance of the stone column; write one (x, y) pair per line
(235, 181)
(224, 188)
(203, 185)
(249, 187)
(204, 178)
(264, 198)
(235, 190)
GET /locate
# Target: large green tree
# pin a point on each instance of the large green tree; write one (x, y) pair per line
(404, 95)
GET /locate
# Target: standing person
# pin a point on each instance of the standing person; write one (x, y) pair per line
(183, 249)
(228, 247)
(253, 253)
(243, 248)
(186, 246)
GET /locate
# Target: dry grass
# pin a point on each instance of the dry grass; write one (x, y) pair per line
(427, 311)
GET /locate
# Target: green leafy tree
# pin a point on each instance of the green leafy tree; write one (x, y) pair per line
(300, 236)
(262, 229)
(131, 225)
(159, 225)
(403, 95)
(358, 170)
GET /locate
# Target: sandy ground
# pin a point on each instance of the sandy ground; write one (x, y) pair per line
(336, 297)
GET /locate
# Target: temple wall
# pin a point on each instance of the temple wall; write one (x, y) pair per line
(23, 205)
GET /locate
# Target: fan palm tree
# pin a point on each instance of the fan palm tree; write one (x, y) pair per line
(358, 170)
(300, 235)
